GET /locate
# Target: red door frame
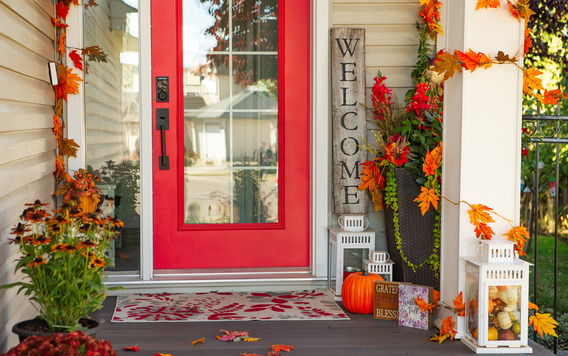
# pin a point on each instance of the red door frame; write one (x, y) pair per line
(282, 244)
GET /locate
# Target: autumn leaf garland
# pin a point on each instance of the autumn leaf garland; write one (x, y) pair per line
(447, 63)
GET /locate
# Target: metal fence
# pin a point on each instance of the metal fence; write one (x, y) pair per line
(544, 138)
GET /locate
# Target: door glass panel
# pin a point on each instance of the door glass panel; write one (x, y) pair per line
(113, 122)
(230, 73)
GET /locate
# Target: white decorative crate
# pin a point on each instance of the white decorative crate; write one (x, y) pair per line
(352, 222)
(340, 241)
(379, 256)
(384, 269)
(493, 251)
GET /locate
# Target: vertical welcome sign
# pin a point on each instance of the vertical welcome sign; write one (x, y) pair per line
(348, 115)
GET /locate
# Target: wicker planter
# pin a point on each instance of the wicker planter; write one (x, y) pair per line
(417, 239)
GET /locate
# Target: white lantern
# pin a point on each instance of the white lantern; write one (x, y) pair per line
(347, 250)
(496, 300)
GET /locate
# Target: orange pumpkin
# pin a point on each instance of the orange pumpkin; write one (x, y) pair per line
(491, 306)
(357, 292)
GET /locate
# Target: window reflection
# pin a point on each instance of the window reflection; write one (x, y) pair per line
(230, 81)
(113, 121)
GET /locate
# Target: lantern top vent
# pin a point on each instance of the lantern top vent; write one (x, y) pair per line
(501, 252)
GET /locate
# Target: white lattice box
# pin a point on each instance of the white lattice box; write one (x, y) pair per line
(379, 256)
(497, 251)
(382, 268)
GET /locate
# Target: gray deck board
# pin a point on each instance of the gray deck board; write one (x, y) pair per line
(362, 335)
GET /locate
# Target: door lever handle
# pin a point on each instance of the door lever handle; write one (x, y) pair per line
(163, 124)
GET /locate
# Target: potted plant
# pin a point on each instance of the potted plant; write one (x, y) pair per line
(405, 133)
(74, 343)
(63, 255)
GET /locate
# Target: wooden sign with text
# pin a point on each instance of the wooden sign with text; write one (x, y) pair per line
(385, 300)
(349, 118)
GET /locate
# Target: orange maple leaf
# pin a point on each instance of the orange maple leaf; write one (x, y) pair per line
(437, 153)
(479, 214)
(459, 306)
(57, 127)
(519, 235)
(427, 196)
(68, 82)
(68, 147)
(198, 341)
(61, 43)
(521, 7)
(446, 329)
(552, 96)
(543, 324)
(371, 176)
(528, 41)
(430, 166)
(447, 64)
(58, 23)
(471, 60)
(533, 306)
(436, 296)
(531, 80)
(484, 230)
(424, 307)
(487, 3)
(278, 348)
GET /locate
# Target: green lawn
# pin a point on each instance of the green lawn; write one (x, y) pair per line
(545, 270)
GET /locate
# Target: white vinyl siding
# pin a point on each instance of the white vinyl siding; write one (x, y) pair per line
(27, 144)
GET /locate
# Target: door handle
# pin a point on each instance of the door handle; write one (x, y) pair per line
(163, 124)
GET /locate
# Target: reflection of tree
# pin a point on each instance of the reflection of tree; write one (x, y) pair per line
(254, 28)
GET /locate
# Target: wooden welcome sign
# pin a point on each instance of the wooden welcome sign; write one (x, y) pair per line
(348, 115)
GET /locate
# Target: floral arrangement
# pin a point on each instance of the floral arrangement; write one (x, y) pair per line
(406, 133)
(81, 188)
(75, 343)
(63, 256)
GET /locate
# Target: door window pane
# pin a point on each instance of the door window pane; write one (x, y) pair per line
(112, 120)
(230, 74)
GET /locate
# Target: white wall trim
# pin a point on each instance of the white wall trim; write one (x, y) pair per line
(320, 135)
(75, 119)
(146, 202)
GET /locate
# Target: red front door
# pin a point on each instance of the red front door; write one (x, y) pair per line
(231, 133)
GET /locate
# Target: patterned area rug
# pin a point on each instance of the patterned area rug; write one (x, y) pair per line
(168, 307)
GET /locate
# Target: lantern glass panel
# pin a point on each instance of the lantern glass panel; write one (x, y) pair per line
(504, 319)
(472, 300)
(353, 260)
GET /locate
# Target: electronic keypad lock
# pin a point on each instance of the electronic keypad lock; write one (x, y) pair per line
(162, 89)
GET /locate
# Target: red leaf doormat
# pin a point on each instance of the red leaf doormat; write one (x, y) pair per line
(172, 307)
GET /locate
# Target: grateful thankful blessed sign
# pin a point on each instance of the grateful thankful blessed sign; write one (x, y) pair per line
(348, 115)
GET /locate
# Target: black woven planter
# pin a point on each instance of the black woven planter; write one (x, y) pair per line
(416, 233)
(39, 327)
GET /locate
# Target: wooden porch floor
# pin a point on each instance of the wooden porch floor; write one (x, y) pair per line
(362, 335)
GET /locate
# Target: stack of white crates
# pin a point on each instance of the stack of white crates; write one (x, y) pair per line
(379, 262)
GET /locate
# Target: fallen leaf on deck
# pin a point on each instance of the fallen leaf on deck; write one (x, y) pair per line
(198, 341)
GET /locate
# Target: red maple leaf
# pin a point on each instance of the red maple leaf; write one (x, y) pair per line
(77, 59)
(61, 10)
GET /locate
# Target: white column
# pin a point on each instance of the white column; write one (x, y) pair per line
(482, 136)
